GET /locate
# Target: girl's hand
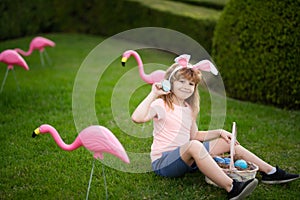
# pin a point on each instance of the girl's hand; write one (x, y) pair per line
(227, 136)
(157, 89)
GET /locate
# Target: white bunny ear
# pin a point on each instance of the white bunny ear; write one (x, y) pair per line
(183, 60)
(213, 69)
(206, 65)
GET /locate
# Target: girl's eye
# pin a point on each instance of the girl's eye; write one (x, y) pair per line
(192, 84)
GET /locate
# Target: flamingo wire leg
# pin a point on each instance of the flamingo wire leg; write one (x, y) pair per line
(105, 185)
(48, 58)
(42, 59)
(4, 79)
(90, 181)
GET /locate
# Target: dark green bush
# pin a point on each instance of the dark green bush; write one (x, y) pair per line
(20, 18)
(101, 17)
(216, 4)
(256, 47)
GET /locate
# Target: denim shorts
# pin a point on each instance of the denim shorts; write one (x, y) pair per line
(170, 164)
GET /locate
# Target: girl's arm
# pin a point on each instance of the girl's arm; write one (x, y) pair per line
(143, 113)
(209, 135)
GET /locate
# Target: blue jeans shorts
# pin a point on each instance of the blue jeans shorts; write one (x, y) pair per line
(170, 164)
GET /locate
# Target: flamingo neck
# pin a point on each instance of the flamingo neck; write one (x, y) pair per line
(136, 56)
(67, 147)
(139, 61)
(29, 52)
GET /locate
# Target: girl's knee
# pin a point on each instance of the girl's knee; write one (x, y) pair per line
(196, 145)
(239, 151)
(238, 148)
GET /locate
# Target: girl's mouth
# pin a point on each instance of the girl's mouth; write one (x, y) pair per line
(185, 90)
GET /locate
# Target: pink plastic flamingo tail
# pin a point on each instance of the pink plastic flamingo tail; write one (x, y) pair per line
(21, 62)
(48, 42)
(45, 128)
(99, 140)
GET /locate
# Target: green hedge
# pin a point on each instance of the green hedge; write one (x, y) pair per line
(216, 4)
(256, 47)
(102, 17)
(21, 18)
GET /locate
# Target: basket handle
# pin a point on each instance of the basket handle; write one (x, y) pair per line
(232, 144)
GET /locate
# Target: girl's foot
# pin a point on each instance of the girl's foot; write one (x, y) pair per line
(240, 190)
(280, 176)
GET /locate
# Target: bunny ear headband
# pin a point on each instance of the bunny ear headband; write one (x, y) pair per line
(203, 65)
(183, 62)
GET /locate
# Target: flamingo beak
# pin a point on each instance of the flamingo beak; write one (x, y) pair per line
(124, 59)
(35, 132)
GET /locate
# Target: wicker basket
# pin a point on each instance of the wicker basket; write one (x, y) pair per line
(231, 171)
(239, 175)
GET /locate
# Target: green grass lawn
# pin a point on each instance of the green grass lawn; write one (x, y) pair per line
(38, 169)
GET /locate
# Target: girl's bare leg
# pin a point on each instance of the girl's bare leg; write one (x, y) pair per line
(195, 151)
(220, 146)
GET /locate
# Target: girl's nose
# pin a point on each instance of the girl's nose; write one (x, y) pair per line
(186, 86)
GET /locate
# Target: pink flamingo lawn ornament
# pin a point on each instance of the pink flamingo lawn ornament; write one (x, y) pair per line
(11, 58)
(38, 43)
(156, 76)
(97, 139)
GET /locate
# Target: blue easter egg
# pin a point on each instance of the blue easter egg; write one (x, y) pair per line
(241, 164)
(219, 159)
(227, 161)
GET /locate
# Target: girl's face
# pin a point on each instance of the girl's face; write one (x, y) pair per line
(183, 88)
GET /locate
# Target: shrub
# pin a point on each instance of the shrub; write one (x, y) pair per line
(216, 4)
(105, 17)
(21, 18)
(256, 47)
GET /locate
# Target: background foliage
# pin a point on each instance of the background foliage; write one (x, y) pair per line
(106, 17)
(256, 42)
(256, 46)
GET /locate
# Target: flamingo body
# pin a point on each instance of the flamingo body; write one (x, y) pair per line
(96, 139)
(11, 58)
(156, 76)
(37, 43)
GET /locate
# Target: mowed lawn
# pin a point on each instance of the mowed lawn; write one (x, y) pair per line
(38, 169)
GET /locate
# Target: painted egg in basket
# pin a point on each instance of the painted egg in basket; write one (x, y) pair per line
(241, 164)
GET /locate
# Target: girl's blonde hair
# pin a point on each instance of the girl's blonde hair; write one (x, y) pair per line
(190, 74)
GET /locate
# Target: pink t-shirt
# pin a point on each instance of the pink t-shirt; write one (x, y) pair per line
(171, 127)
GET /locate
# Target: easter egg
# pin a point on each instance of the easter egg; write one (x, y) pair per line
(241, 164)
(219, 159)
(227, 161)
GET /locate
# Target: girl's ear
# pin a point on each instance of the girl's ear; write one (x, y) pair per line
(206, 65)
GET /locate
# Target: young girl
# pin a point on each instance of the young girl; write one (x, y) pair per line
(178, 147)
